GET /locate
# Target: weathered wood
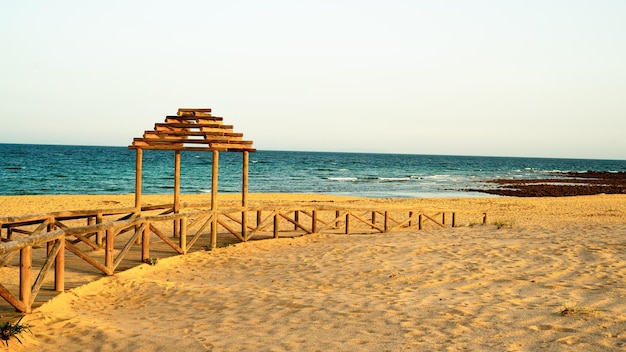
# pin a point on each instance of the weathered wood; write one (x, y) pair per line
(183, 235)
(59, 267)
(201, 230)
(43, 225)
(165, 239)
(193, 111)
(176, 190)
(386, 221)
(231, 230)
(263, 224)
(109, 249)
(366, 222)
(145, 244)
(204, 131)
(220, 148)
(26, 260)
(297, 225)
(433, 220)
(127, 246)
(77, 252)
(214, 185)
(50, 259)
(244, 193)
(276, 224)
(296, 215)
(316, 220)
(138, 178)
(12, 300)
(338, 216)
(35, 240)
(195, 125)
(86, 240)
(400, 224)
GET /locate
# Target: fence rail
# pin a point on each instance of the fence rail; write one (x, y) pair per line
(105, 241)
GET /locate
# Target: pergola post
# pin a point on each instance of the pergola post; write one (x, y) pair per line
(244, 196)
(138, 177)
(214, 183)
(176, 191)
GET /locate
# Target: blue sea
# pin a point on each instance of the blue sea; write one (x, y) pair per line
(57, 169)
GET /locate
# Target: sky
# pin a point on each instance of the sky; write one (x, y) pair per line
(539, 78)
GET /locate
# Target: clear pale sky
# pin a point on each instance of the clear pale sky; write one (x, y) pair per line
(542, 78)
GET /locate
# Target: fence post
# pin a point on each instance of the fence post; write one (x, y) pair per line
(373, 218)
(99, 234)
(26, 281)
(453, 219)
(348, 223)
(419, 222)
(314, 222)
(183, 234)
(214, 230)
(110, 246)
(244, 224)
(59, 267)
(276, 224)
(386, 220)
(145, 242)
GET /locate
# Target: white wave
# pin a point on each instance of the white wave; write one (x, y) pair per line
(437, 176)
(342, 179)
(392, 179)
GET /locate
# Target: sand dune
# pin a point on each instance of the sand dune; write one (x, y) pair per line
(473, 288)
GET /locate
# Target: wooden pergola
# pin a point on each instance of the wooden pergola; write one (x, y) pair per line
(193, 130)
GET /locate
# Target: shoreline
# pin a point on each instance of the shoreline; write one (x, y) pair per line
(478, 287)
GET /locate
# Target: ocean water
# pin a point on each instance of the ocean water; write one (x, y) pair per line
(56, 169)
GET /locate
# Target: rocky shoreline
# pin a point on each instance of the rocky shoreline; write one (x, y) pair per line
(563, 184)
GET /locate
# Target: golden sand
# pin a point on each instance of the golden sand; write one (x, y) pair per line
(553, 278)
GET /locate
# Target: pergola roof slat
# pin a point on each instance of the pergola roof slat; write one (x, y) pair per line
(194, 125)
(193, 129)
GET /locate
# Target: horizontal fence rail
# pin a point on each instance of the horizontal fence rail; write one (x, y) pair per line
(107, 237)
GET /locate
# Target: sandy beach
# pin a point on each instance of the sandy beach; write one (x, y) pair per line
(551, 276)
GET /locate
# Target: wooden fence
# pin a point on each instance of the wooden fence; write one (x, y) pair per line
(108, 235)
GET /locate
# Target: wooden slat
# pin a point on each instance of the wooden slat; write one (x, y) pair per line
(202, 133)
(194, 125)
(193, 120)
(50, 259)
(182, 111)
(127, 246)
(162, 236)
(14, 301)
(146, 146)
(185, 140)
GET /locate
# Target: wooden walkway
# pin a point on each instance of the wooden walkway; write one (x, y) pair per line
(104, 238)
